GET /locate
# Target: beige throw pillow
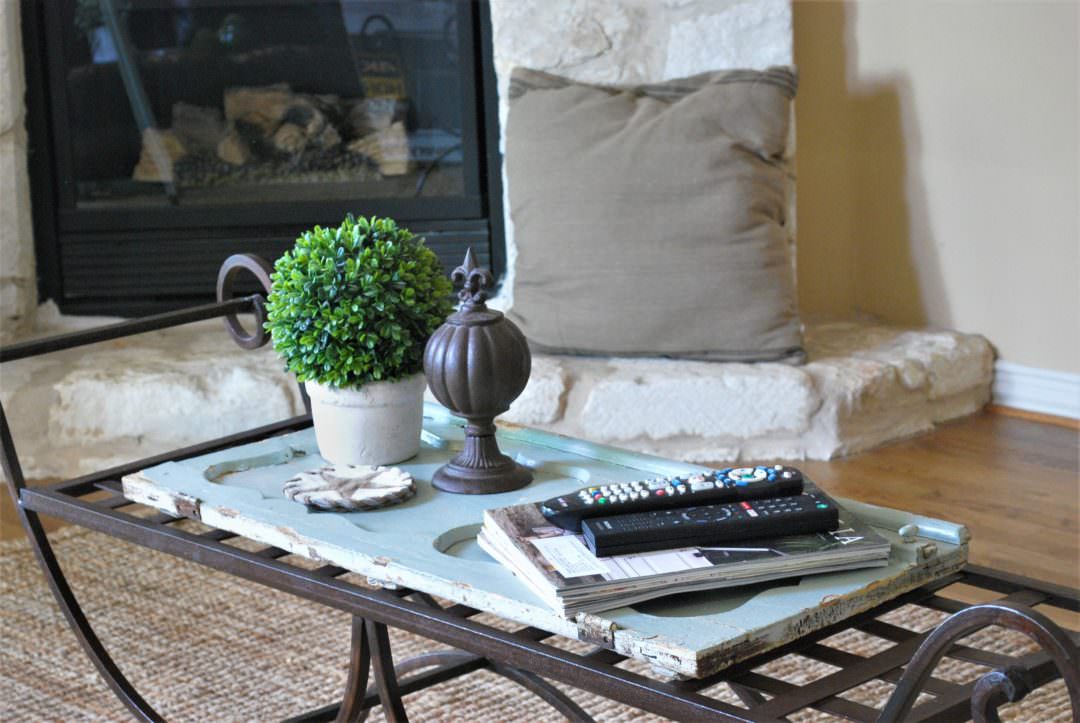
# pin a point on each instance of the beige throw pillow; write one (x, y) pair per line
(650, 221)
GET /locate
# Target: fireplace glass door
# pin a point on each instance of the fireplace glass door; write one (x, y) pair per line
(183, 122)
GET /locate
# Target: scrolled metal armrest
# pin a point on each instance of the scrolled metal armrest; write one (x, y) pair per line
(998, 686)
(261, 269)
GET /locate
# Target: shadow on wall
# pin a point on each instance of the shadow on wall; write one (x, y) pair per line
(864, 239)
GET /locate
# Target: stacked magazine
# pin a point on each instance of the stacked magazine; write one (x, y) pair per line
(558, 566)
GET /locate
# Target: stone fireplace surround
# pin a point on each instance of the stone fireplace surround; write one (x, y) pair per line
(865, 383)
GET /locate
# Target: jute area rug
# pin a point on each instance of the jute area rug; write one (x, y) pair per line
(203, 646)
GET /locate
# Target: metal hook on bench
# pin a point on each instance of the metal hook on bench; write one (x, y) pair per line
(261, 269)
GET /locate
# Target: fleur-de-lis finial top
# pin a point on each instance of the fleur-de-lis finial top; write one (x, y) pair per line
(475, 280)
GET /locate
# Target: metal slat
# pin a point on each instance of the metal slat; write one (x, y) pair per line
(1007, 582)
(781, 689)
(217, 535)
(960, 652)
(843, 659)
(812, 695)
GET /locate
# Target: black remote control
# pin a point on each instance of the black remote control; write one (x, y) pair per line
(726, 485)
(711, 524)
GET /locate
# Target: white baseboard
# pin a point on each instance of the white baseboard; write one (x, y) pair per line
(1037, 390)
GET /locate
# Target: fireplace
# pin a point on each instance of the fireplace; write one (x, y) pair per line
(167, 134)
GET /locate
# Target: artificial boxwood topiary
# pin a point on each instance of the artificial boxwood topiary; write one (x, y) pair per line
(356, 303)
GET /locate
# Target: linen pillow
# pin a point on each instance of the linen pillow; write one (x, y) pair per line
(651, 220)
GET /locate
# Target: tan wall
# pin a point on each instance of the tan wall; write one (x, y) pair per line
(938, 168)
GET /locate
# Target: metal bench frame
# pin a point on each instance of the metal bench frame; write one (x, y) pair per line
(525, 655)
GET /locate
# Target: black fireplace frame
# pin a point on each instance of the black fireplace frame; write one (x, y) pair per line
(98, 261)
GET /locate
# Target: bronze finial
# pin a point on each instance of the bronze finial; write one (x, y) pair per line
(475, 280)
(477, 363)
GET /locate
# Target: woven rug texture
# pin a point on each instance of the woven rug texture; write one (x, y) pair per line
(203, 646)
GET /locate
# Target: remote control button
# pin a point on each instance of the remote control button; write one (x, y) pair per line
(748, 474)
(700, 486)
(588, 500)
(601, 501)
(660, 493)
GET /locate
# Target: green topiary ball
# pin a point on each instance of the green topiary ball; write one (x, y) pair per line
(356, 303)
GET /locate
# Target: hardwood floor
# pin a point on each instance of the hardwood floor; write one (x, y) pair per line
(1014, 482)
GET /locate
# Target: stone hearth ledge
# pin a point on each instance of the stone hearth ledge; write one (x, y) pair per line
(78, 411)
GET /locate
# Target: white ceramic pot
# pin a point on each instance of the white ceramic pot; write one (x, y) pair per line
(379, 423)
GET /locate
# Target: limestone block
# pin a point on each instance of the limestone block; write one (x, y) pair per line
(660, 399)
(544, 397)
(12, 83)
(944, 362)
(111, 395)
(865, 384)
(748, 34)
(84, 409)
(18, 279)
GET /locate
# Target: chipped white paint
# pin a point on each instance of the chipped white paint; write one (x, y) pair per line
(427, 543)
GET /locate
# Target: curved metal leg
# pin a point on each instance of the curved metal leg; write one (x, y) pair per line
(545, 691)
(996, 686)
(69, 604)
(439, 658)
(385, 677)
(530, 681)
(352, 704)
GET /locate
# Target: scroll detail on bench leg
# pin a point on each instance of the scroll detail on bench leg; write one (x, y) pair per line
(997, 686)
(261, 269)
(69, 604)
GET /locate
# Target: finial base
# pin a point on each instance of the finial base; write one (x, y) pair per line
(466, 481)
(480, 468)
